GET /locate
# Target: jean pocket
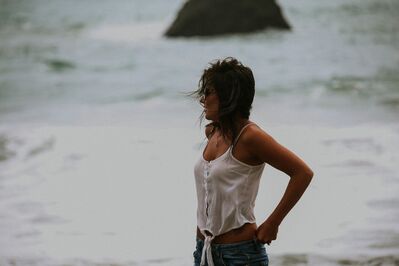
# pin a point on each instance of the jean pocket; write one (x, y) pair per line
(235, 257)
(253, 255)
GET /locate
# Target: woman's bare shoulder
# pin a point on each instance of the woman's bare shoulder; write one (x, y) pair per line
(267, 149)
(254, 130)
(255, 133)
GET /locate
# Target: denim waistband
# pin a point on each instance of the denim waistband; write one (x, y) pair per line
(229, 246)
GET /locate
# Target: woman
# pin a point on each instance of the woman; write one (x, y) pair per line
(227, 174)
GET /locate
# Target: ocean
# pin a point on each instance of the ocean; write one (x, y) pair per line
(98, 139)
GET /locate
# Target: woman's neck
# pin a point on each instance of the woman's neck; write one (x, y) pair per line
(239, 124)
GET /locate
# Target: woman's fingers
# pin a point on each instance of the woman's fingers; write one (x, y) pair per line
(266, 239)
(266, 233)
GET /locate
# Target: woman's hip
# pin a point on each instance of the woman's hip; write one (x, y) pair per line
(249, 252)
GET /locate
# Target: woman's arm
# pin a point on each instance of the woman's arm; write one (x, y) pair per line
(268, 150)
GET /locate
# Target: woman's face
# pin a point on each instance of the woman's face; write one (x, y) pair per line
(211, 104)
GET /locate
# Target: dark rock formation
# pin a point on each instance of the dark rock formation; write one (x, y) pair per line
(216, 17)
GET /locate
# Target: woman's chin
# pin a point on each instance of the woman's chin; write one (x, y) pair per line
(210, 118)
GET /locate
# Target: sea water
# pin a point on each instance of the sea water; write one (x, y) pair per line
(98, 138)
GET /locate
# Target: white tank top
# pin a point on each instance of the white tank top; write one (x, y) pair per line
(226, 194)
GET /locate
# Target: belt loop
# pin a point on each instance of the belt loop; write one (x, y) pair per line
(255, 242)
(217, 249)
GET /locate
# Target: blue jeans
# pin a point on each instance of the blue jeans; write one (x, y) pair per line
(245, 253)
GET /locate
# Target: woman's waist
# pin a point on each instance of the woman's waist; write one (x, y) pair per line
(245, 232)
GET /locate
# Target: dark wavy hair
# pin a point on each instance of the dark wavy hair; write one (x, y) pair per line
(235, 86)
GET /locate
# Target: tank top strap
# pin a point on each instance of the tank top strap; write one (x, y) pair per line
(239, 134)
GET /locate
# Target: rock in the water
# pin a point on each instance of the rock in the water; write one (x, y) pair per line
(216, 17)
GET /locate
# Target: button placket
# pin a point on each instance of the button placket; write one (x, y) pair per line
(206, 185)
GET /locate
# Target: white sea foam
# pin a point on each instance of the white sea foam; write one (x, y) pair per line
(129, 33)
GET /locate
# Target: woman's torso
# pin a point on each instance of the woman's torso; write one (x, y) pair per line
(242, 156)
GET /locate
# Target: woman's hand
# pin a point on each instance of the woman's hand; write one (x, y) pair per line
(267, 232)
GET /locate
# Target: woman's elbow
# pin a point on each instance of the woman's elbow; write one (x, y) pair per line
(308, 174)
(305, 174)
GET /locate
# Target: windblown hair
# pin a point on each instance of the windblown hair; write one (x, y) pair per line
(234, 84)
